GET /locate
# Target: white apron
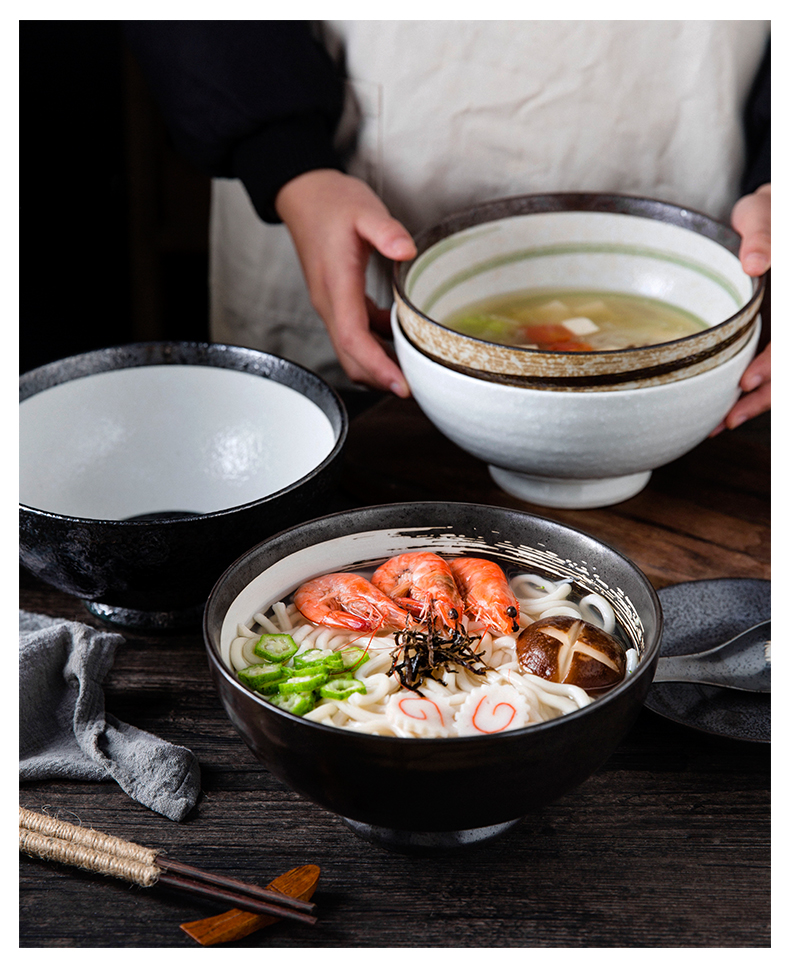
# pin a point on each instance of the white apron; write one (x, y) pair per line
(451, 113)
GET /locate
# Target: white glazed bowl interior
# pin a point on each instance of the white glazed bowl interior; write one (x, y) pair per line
(583, 250)
(571, 448)
(165, 438)
(364, 550)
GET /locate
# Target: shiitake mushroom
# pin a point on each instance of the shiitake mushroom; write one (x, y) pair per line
(563, 649)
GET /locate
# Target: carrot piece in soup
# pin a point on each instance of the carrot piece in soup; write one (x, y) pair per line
(568, 346)
(544, 334)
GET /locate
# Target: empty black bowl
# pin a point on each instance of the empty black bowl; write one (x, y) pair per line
(431, 792)
(146, 469)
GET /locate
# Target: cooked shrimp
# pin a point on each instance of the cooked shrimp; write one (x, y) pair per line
(348, 601)
(423, 584)
(486, 593)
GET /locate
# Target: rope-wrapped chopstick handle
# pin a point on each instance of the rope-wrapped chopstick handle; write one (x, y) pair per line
(56, 840)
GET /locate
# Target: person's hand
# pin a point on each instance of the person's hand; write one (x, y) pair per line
(751, 218)
(335, 220)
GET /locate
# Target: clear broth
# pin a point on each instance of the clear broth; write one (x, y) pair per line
(574, 320)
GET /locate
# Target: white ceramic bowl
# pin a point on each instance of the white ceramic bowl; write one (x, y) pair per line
(586, 242)
(571, 449)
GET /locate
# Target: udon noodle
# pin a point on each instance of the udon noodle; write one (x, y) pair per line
(503, 698)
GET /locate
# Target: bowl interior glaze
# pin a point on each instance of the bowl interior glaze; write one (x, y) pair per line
(589, 251)
(154, 438)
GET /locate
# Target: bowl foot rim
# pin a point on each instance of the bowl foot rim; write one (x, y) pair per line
(567, 493)
(134, 618)
(427, 840)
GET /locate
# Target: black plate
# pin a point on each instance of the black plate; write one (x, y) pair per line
(699, 615)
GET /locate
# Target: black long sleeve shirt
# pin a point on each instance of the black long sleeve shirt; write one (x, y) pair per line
(254, 100)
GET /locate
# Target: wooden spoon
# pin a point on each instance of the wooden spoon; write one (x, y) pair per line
(235, 924)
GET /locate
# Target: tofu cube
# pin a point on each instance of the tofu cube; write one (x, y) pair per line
(580, 325)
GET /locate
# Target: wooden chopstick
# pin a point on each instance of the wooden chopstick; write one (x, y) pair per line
(255, 905)
(222, 881)
(91, 850)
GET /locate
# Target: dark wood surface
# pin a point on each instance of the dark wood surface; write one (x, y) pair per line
(666, 846)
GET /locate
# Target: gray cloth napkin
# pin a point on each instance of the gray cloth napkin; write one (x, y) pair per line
(64, 732)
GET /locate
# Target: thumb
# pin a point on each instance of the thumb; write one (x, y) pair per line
(751, 218)
(386, 235)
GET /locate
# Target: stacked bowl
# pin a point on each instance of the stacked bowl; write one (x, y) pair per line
(576, 428)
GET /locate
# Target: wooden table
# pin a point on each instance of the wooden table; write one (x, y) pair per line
(666, 846)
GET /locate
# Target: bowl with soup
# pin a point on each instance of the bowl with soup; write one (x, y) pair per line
(146, 469)
(432, 673)
(575, 342)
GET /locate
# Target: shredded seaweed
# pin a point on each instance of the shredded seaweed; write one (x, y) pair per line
(431, 651)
